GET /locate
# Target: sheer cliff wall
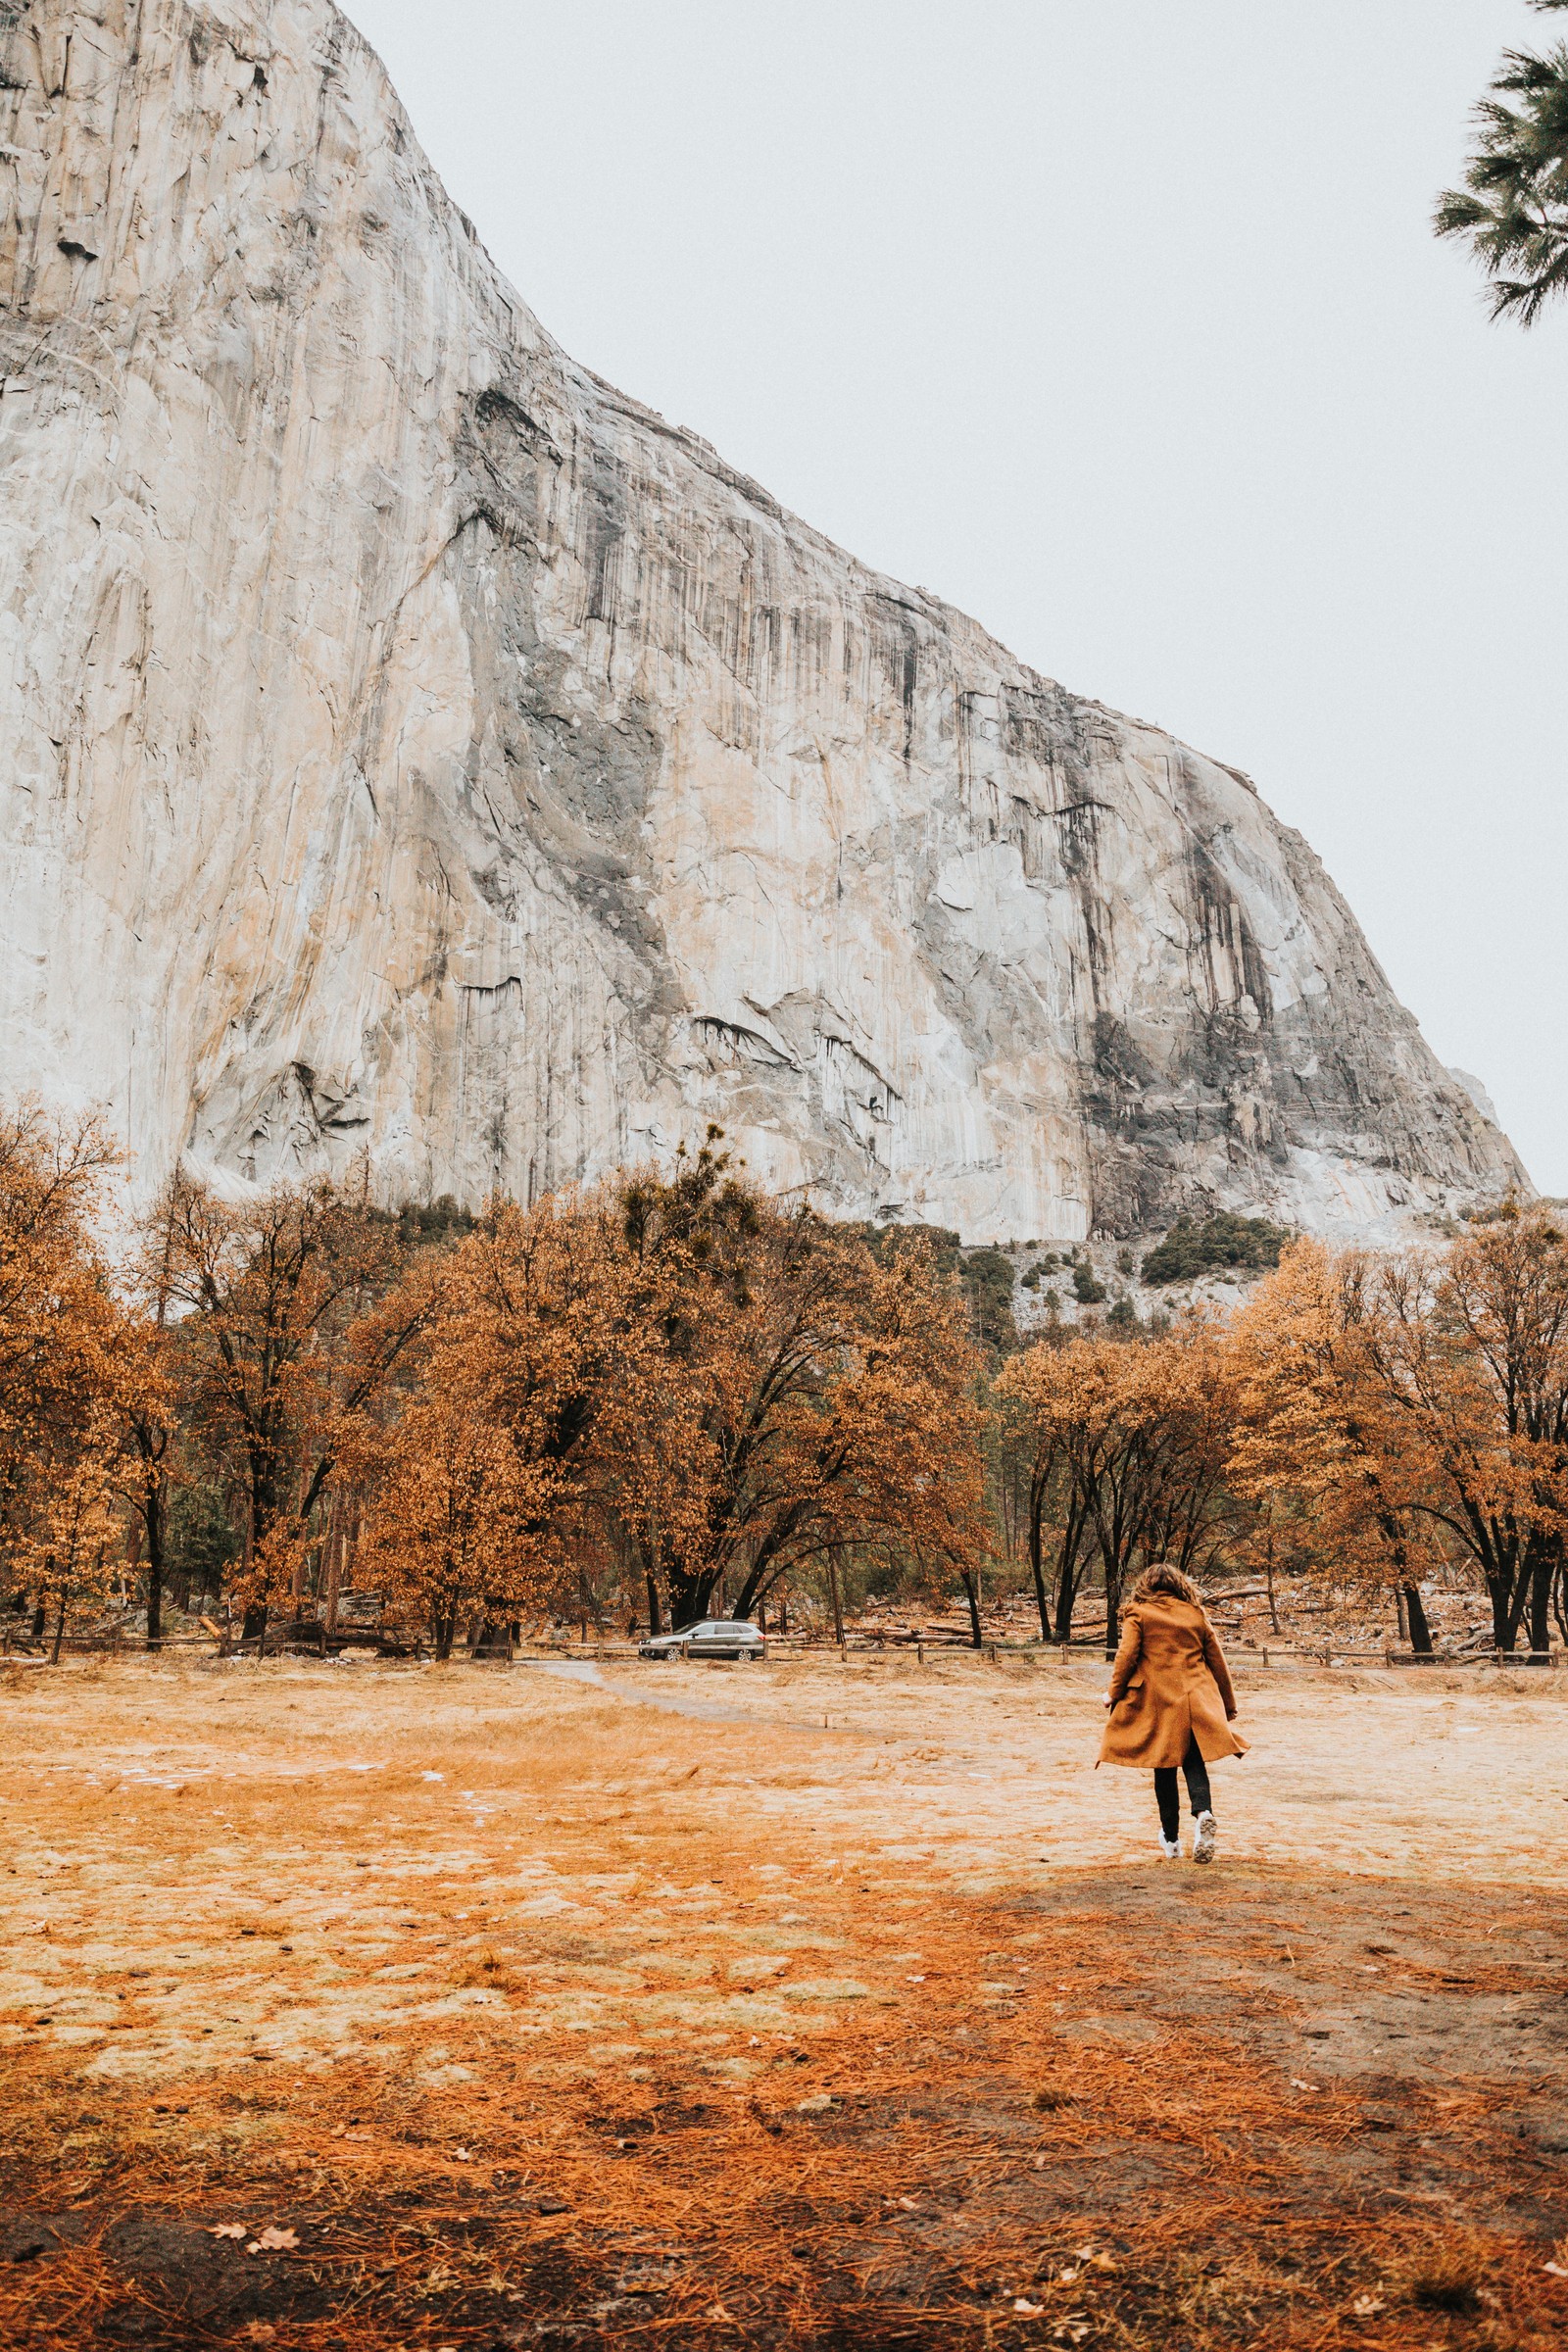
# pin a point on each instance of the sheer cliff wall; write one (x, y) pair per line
(410, 743)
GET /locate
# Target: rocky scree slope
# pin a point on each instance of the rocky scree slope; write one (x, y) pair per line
(410, 743)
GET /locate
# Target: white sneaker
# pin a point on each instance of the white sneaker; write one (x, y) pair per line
(1171, 1848)
(1203, 1832)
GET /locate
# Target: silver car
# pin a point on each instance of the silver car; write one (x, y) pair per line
(713, 1638)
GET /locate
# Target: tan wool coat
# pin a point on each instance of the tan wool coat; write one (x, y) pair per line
(1169, 1683)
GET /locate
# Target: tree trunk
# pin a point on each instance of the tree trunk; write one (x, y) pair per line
(41, 1619)
(1066, 1594)
(1415, 1614)
(838, 1598)
(1036, 1564)
(971, 1594)
(153, 1515)
(1113, 1588)
(656, 1621)
(60, 1629)
(1541, 1577)
(334, 1561)
(690, 1595)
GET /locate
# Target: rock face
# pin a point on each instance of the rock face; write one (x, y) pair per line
(408, 742)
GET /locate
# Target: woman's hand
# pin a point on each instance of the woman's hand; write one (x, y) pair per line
(1108, 1701)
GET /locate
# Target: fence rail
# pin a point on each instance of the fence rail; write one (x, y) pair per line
(17, 1649)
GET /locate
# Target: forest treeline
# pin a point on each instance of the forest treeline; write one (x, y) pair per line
(671, 1395)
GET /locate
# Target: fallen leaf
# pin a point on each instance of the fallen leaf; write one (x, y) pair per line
(909, 2203)
(273, 2242)
(226, 2230)
(1028, 2311)
(1298, 2085)
(818, 2101)
(914, 1980)
(462, 2155)
(1556, 2269)
(1367, 2307)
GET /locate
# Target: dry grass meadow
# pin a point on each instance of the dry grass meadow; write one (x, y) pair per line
(376, 2006)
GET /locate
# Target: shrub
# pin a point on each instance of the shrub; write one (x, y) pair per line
(1225, 1239)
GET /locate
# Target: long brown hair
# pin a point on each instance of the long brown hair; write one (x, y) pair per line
(1160, 1577)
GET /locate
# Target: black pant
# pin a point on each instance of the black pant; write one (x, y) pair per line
(1196, 1771)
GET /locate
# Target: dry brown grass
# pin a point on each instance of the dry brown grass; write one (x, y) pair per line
(639, 2026)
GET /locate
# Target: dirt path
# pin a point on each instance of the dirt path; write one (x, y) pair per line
(532, 2014)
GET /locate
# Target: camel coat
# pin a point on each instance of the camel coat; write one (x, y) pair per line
(1169, 1683)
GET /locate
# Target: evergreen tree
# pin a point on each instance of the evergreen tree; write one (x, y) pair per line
(1514, 207)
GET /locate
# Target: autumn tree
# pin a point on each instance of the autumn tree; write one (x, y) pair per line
(522, 1377)
(1321, 1449)
(75, 1528)
(681, 1374)
(450, 1531)
(293, 1320)
(1469, 1351)
(58, 1326)
(811, 1397)
(1126, 1440)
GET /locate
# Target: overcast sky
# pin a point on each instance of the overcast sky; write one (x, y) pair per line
(1121, 327)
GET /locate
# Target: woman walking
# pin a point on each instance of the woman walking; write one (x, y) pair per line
(1172, 1702)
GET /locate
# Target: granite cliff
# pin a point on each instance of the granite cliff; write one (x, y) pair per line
(410, 743)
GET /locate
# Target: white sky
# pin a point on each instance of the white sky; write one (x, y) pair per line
(1121, 325)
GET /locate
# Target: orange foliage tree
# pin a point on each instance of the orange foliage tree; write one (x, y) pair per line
(1321, 1449)
(479, 1488)
(293, 1323)
(58, 1355)
(810, 1397)
(1469, 1351)
(1126, 1443)
(719, 1392)
(451, 1530)
(74, 1530)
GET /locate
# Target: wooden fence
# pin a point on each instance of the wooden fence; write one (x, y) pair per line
(862, 1651)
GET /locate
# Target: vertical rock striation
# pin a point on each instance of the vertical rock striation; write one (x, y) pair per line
(409, 742)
